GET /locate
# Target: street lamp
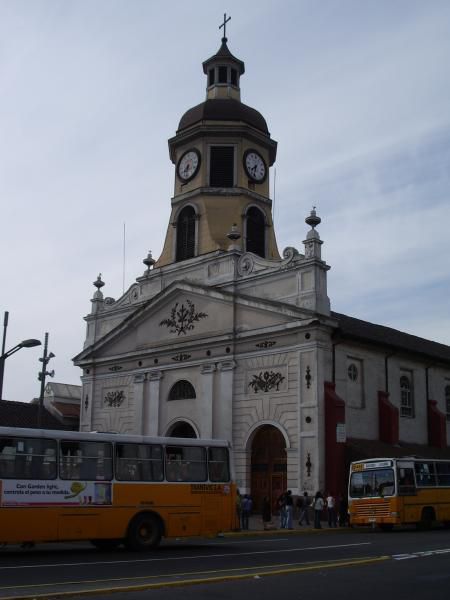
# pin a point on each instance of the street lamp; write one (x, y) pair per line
(25, 344)
(41, 377)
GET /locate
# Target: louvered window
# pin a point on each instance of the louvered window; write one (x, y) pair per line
(182, 390)
(186, 234)
(256, 232)
(221, 166)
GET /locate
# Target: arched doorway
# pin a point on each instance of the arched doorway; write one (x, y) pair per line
(182, 430)
(268, 466)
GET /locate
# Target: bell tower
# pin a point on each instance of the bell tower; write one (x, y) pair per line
(222, 151)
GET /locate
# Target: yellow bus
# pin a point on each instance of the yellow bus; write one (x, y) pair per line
(111, 488)
(398, 491)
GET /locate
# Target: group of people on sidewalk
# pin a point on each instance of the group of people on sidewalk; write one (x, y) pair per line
(335, 510)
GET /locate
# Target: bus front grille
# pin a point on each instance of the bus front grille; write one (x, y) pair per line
(371, 509)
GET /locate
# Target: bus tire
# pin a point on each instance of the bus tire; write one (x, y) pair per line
(386, 526)
(106, 545)
(426, 522)
(144, 532)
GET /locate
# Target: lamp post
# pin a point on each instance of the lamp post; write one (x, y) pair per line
(41, 377)
(4, 355)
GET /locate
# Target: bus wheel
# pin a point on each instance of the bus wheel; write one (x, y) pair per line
(427, 519)
(386, 526)
(106, 545)
(144, 533)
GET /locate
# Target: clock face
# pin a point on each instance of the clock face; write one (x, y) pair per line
(254, 165)
(188, 165)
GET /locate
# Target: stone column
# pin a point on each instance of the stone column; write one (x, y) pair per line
(151, 413)
(138, 395)
(206, 400)
(223, 403)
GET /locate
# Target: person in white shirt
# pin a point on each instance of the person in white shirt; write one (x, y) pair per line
(331, 509)
(318, 508)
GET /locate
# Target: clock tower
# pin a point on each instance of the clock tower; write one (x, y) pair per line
(222, 152)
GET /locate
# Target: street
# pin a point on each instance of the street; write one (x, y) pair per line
(341, 563)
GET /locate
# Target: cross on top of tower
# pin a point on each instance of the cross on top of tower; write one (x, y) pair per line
(224, 25)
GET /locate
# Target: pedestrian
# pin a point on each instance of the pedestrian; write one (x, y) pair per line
(331, 510)
(281, 505)
(318, 508)
(304, 513)
(247, 505)
(289, 508)
(238, 509)
(343, 510)
(266, 513)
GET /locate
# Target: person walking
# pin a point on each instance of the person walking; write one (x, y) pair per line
(304, 512)
(281, 505)
(343, 510)
(289, 508)
(247, 506)
(318, 508)
(331, 510)
(238, 509)
(266, 513)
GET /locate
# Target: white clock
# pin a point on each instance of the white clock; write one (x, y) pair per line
(255, 166)
(188, 165)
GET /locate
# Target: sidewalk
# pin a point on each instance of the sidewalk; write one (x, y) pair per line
(255, 525)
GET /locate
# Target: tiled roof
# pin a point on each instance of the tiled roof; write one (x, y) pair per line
(22, 414)
(364, 331)
(68, 410)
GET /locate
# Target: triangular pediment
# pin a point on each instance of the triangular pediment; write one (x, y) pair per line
(190, 313)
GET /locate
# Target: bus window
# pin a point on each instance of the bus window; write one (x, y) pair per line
(372, 483)
(425, 475)
(443, 473)
(218, 466)
(185, 463)
(405, 479)
(27, 458)
(139, 462)
(86, 460)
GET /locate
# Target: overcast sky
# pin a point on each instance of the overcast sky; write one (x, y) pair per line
(357, 94)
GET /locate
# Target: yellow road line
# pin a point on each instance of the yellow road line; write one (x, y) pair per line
(285, 569)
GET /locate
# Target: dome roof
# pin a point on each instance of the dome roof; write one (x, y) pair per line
(223, 110)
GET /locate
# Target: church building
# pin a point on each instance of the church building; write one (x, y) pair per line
(225, 337)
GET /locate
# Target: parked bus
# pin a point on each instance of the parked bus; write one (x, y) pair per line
(112, 488)
(398, 491)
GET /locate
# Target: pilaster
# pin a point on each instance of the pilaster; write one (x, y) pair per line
(206, 400)
(223, 405)
(138, 395)
(151, 414)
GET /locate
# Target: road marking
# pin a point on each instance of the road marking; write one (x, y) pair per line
(420, 554)
(280, 569)
(172, 558)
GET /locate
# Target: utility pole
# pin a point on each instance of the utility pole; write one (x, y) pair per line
(41, 377)
(2, 362)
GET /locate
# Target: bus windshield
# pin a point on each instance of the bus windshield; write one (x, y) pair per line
(372, 483)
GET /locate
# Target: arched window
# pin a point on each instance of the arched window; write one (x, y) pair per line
(182, 430)
(182, 390)
(256, 232)
(406, 397)
(186, 234)
(447, 401)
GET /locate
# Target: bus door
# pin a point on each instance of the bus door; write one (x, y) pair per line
(406, 489)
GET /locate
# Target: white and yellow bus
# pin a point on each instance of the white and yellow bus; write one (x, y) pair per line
(398, 491)
(112, 488)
